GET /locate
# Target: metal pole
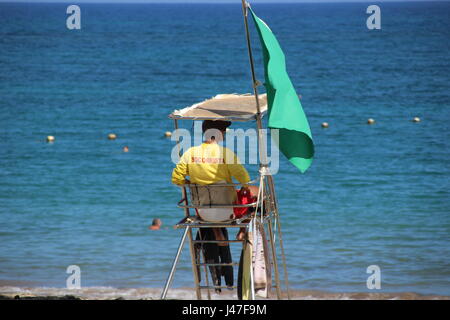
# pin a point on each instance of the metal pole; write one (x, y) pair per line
(263, 159)
(174, 265)
(262, 154)
(275, 262)
(183, 189)
(255, 83)
(280, 239)
(252, 279)
(194, 265)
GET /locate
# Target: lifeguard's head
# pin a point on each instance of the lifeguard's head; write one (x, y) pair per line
(215, 129)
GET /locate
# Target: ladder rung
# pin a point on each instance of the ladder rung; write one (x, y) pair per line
(215, 241)
(217, 287)
(218, 264)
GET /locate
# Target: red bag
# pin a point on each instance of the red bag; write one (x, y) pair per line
(243, 197)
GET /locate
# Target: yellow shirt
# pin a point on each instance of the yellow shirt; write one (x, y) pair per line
(209, 163)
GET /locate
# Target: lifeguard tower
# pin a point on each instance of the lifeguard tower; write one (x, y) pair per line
(234, 108)
(230, 107)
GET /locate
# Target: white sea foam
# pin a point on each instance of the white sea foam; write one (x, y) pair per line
(110, 293)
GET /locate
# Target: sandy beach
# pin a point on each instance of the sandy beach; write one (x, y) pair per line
(108, 293)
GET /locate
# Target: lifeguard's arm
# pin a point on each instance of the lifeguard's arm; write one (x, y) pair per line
(180, 171)
(236, 169)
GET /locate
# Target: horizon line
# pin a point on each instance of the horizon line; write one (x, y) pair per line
(212, 2)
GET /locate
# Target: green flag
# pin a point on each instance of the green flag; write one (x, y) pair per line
(285, 110)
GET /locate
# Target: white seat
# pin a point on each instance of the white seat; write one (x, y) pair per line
(213, 195)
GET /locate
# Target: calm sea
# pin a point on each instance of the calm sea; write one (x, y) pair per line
(375, 195)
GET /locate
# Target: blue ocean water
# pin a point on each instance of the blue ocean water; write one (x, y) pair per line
(375, 195)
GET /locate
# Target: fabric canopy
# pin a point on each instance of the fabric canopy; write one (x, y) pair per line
(231, 107)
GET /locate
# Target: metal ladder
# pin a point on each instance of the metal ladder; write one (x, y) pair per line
(189, 223)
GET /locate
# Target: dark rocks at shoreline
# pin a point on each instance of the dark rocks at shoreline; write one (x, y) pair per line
(17, 297)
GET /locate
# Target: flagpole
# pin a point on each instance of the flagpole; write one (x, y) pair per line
(255, 83)
(263, 168)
